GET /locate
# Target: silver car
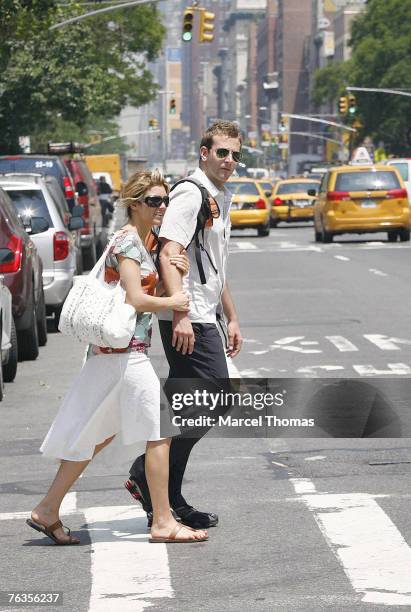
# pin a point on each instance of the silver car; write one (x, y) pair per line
(57, 246)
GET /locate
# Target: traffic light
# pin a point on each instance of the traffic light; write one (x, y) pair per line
(206, 26)
(352, 104)
(188, 24)
(152, 123)
(173, 108)
(343, 105)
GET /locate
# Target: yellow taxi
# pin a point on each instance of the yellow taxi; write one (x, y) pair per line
(362, 199)
(291, 201)
(251, 207)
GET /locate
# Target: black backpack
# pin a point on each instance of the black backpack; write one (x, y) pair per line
(208, 211)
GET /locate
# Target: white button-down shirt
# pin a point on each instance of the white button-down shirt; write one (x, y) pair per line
(179, 225)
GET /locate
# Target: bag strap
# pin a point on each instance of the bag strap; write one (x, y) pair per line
(99, 263)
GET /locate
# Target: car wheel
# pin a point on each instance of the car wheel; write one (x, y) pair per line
(28, 339)
(327, 237)
(404, 234)
(10, 368)
(89, 257)
(263, 230)
(41, 320)
(392, 236)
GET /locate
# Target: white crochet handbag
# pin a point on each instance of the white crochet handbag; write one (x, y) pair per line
(95, 311)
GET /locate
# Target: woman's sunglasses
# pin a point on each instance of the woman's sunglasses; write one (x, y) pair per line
(156, 201)
(222, 153)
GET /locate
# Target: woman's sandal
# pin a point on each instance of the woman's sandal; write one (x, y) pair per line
(172, 537)
(48, 531)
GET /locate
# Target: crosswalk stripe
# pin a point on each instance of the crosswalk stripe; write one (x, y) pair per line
(243, 246)
(68, 506)
(124, 564)
(383, 342)
(342, 344)
(371, 550)
(377, 272)
(399, 369)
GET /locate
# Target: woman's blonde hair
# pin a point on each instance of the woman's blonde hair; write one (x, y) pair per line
(137, 185)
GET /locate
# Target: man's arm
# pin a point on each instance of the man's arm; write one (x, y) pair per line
(183, 334)
(235, 339)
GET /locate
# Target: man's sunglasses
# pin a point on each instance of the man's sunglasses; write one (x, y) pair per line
(222, 153)
(156, 201)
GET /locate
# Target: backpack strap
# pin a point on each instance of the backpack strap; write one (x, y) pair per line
(204, 214)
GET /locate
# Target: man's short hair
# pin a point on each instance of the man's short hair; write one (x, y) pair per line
(223, 128)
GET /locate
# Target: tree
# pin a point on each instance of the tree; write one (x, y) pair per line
(381, 57)
(90, 68)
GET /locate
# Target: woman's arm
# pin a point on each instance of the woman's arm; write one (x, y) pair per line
(130, 277)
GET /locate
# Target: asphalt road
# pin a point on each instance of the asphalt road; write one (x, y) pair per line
(305, 524)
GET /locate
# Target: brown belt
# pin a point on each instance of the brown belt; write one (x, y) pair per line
(113, 350)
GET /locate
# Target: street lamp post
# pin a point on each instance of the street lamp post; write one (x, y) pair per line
(164, 126)
(394, 92)
(341, 126)
(99, 12)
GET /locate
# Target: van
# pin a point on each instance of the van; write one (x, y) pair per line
(403, 165)
(41, 164)
(93, 234)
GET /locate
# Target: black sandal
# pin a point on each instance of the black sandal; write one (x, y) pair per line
(48, 531)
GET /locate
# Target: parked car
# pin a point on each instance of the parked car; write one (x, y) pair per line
(93, 234)
(291, 201)
(60, 201)
(8, 344)
(250, 207)
(56, 244)
(43, 164)
(361, 199)
(22, 271)
(403, 165)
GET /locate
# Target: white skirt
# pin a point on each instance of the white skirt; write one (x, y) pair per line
(117, 393)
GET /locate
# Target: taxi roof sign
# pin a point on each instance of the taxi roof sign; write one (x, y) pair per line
(360, 156)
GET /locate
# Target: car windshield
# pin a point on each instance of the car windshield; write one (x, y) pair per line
(379, 180)
(243, 188)
(296, 187)
(30, 203)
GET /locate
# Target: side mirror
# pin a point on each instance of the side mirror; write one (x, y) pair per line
(312, 192)
(36, 225)
(268, 194)
(77, 211)
(81, 188)
(75, 223)
(6, 255)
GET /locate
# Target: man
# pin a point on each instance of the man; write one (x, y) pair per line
(192, 343)
(104, 192)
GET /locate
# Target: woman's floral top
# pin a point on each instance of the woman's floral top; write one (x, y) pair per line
(129, 244)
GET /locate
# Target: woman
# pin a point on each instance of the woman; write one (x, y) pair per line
(117, 392)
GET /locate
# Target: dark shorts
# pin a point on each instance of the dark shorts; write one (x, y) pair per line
(206, 361)
(205, 369)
